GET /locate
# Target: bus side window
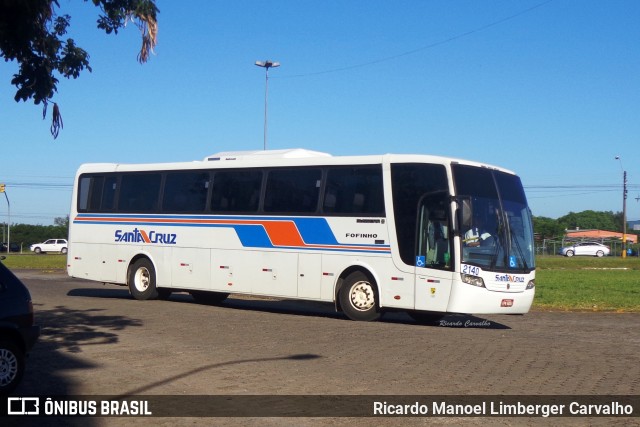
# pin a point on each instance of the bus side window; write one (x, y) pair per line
(293, 190)
(108, 200)
(185, 191)
(354, 190)
(236, 191)
(139, 192)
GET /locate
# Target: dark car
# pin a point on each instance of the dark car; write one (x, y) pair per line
(18, 333)
(14, 247)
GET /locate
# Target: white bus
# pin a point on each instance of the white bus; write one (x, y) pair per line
(422, 234)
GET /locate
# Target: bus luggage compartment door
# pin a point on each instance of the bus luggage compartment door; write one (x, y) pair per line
(433, 288)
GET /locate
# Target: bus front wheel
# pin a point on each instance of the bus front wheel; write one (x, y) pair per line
(358, 297)
(142, 280)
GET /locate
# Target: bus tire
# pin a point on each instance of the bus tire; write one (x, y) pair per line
(142, 280)
(206, 297)
(359, 297)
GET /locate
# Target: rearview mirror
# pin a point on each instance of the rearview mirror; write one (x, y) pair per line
(464, 213)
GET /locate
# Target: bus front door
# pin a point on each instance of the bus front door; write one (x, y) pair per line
(433, 269)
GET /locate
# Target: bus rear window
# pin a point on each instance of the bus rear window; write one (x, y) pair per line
(96, 193)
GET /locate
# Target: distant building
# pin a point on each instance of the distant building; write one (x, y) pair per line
(633, 225)
(599, 235)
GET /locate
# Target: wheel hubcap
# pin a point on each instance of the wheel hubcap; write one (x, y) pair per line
(142, 279)
(8, 367)
(361, 296)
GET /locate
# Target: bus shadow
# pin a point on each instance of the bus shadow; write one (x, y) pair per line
(106, 293)
(468, 321)
(327, 310)
(301, 308)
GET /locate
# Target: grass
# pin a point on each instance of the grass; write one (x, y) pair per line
(584, 262)
(38, 262)
(608, 284)
(588, 284)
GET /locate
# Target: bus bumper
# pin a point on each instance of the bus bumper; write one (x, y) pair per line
(475, 300)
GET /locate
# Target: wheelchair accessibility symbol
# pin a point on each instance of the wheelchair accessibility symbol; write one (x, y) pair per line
(512, 262)
(421, 261)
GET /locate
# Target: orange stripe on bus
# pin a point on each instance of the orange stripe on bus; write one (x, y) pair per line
(283, 233)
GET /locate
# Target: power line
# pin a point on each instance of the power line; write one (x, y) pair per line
(34, 216)
(40, 185)
(555, 186)
(572, 190)
(562, 195)
(420, 49)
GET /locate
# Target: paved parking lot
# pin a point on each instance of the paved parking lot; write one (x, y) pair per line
(96, 340)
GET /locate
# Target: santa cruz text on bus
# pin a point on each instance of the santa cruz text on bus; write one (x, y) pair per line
(509, 278)
(141, 236)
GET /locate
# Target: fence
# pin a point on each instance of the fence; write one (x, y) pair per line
(553, 246)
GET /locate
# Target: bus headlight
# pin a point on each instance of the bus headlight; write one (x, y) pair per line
(531, 284)
(472, 280)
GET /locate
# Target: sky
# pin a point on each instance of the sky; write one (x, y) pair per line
(548, 89)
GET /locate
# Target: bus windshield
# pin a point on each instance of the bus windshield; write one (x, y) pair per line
(495, 221)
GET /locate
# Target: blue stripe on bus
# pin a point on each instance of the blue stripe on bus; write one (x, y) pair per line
(314, 232)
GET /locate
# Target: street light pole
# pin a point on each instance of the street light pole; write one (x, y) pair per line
(624, 209)
(266, 65)
(3, 190)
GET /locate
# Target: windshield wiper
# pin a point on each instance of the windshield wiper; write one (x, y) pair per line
(518, 248)
(498, 240)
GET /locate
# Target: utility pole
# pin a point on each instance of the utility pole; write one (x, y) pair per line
(624, 208)
(624, 214)
(3, 189)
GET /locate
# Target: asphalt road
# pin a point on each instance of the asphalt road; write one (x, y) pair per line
(97, 340)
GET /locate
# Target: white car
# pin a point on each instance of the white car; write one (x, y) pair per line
(586, 248)
(51, 245)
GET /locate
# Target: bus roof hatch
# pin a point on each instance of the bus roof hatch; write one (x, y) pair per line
(293, 153)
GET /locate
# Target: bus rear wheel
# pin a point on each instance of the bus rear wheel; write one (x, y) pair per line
(142, 280)
(359, 298)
